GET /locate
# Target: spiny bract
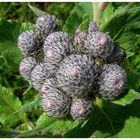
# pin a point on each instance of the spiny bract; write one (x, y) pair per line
(38, 76)
(112, 81)
(56, 47)
(76, 74)
(56, 103)
(28, 42)
(78, 40)
(49, 83)
(80, 108)
(99, 44)
(26, 66)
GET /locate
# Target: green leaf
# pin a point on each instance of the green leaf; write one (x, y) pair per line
(28, 107)
(37, 11)
(128, 98)
(44, 121)
(131, 84)
(9, 104)
(50, 125)
(88, 128)
(98, 124)
(123, 20)
(55, 126)
(9, 31)
(60, 127)
(76, 16)
(26, 26)
(131, 128)
(108, 11)
(87, 8)
(22, 126)
(84, 25)
(12, 58)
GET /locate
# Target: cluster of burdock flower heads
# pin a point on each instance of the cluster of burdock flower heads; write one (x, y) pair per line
(68, 70)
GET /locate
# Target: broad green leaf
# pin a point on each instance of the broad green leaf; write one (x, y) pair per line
(9, 32)
(131, 128)
(9, 104)
(128, 98)
(122, 20)
(55, 126)
(37, 11)
(130, 82)
(87, 8)
(60, 127)
(115, 23)
(103, 118)
(50, 125)
(86, 130)
(44, 121)
(76, 16)
(108, 11)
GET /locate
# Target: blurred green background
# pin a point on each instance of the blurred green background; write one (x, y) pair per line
(19, 11)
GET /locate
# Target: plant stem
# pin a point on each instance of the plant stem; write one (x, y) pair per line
(97, 11)
(29, 88)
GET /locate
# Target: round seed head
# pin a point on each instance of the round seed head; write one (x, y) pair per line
(56, 47)
(99, 44)
(45, 24)
(112, 81)
(26, 67)
(28, 42)
(80, 109)
(76, 75)
(38, 76)
(55, 103)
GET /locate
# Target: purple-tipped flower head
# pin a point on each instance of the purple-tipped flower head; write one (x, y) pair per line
(76, 75)
(28, 43)
(26, 67)
(99, 44)
(80, 108)
(112, 81)
(55, 103)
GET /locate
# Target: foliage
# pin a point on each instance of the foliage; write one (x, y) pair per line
(20, 111)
